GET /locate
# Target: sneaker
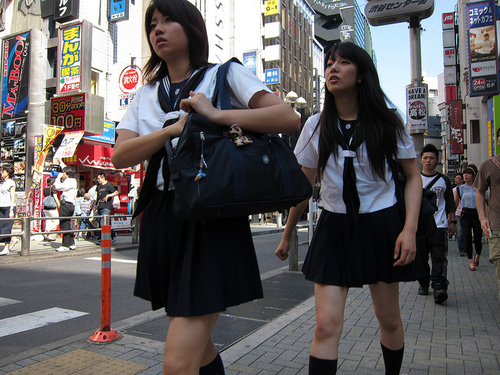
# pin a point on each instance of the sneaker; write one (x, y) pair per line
(62, 248)
(5, 251)
(440, 296)
(113, 240)
(463, 254)
(72, 247)
(423, 291)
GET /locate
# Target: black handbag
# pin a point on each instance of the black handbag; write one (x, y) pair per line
(222, 172)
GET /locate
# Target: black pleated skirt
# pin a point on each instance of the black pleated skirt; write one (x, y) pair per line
(193, 268)
(339, 257)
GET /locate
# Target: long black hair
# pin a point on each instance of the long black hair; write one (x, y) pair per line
(190, 18)
(379, 127)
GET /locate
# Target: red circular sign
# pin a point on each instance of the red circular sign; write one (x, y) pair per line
(130, 77)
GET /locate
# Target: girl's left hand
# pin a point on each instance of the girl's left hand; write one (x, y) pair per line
(199, 103)
(405, 248)
(11, 214)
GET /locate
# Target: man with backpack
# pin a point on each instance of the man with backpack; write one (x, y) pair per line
(436, 242)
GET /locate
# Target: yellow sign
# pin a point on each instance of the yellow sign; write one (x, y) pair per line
(272, 7)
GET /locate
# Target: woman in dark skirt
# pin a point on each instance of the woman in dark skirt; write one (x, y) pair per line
(192, 269)
(360, 239)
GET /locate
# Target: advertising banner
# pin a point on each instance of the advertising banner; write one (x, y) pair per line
(107, 137)
(51, 133)
(68, 145)
(456, 127)
(250, 61)
(482, 44)
(70, 49)
(416, 102)
(15, 75)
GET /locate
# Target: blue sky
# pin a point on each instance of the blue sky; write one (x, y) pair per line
(392, 48)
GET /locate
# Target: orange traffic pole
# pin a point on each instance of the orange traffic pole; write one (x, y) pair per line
(105, 334)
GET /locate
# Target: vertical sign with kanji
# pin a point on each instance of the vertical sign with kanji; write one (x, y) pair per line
(70, 46)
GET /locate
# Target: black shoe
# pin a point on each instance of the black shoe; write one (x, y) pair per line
(423, 291)
(440, 296)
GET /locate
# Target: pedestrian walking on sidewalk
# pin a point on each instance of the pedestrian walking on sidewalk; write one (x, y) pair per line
(194, 270)
(360, 237)
(50, 211)
(7, 205)
(67, 185)
(459, 235)
(488, 177)
(435, 243)
(469, 218)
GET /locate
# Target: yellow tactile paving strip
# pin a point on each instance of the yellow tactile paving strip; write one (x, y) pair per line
(81, 362)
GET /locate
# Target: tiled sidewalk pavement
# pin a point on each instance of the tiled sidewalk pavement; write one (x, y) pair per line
(459, 337)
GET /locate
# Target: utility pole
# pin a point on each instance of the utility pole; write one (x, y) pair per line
(385, 12)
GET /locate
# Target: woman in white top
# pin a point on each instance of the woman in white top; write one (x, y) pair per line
(192, 269)
(67, 185)
(7, 204)
(361, 238)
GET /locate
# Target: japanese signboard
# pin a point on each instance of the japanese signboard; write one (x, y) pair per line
(70, 45)
(130, 79)
(15, 75)
(416, 115)
(271, 7)
(118, 10)
(66, 10)
(456, 127)
(272, 76)
(68, 112)
(482, 44)
(448, 21)
(383, 12)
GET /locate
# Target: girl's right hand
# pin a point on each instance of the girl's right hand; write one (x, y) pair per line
(283, 249)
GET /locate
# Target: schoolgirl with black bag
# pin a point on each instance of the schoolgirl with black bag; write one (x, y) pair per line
(192, 269)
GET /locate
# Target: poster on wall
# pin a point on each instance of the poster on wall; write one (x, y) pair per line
(416, 108)
(13, 148)
(15, 75)
(482, 44)
(456, 127)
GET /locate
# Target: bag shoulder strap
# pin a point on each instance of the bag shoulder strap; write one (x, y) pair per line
(221, 91)
(430, 184)
(495, 161)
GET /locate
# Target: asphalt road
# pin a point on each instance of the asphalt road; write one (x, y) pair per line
(32, 292)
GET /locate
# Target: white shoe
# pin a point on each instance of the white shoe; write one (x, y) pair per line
(62, 248)
(72, 247)
(5, 251)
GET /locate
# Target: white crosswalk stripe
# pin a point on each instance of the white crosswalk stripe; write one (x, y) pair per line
(7, 301)
(37, 319)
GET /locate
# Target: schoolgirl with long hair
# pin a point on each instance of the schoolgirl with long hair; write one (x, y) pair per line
(361, 238)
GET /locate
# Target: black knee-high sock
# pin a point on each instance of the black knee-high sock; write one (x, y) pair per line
(319, 366)
(216, 367)
(392, 359)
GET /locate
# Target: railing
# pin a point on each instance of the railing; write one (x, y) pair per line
(26, 232)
